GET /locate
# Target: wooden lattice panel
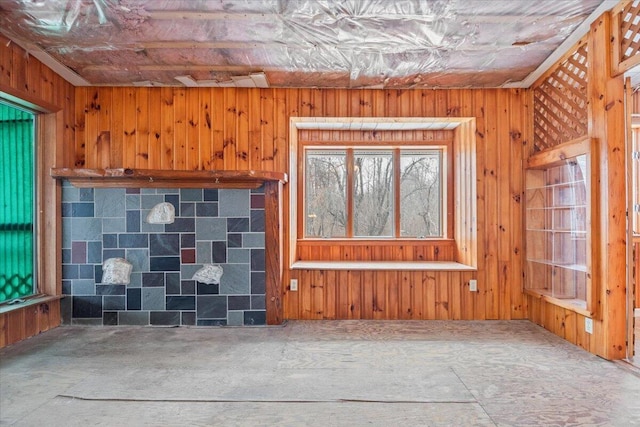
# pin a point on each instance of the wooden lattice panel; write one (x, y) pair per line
(630, 30)
(560, 102)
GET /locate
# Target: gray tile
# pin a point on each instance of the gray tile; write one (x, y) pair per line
(190, 195)
(132, 201)
(234, 202)
(87, 321)
(236, 279)
(109, 202)
(168, 190)
(83, 287)
(86, 229)
(211, 307)
(149, 201)
(139, 259)
(188, 270)
(253, 240)
(70, 194)
(153, 299)
(135, 280)
(114, 225)
(67, 229)
(203, 252)
(235, 318)
(211, 229)
(145, 227)
(140, 318)
(86, 194)
(148, 191)
(238, 256)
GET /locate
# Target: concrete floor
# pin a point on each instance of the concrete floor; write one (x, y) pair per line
(318, 373)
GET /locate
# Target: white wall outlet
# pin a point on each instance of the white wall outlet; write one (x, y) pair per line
(588, 325)
(293, 285)
(473, 285)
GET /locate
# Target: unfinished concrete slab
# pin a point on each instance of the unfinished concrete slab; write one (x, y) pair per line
(317, 373)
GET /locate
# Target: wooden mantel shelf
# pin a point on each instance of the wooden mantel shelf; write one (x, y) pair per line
(143, 178)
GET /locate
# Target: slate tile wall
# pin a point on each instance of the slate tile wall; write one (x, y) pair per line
(223, 227)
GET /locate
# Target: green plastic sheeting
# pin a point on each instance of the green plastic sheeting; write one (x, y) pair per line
(16, 203)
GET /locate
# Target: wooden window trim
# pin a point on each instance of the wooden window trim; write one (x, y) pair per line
(462, 191)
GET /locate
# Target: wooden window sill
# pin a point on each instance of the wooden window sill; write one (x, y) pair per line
(28, 301)
(382, 265)
(570, 304)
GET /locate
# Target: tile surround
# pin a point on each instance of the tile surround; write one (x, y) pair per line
(212, 226)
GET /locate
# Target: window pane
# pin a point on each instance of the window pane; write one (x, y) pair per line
(373, 194)
(325, 205)
(420, 194)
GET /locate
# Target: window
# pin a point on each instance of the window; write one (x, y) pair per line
(375, 193)
(16, 203)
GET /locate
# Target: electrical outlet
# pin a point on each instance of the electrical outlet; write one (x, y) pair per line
(473, 285)
(588, 325)
(293, 285)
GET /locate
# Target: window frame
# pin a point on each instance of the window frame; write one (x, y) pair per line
(461, 250)
(447, 185)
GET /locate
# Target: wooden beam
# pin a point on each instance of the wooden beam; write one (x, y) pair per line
(273, 256)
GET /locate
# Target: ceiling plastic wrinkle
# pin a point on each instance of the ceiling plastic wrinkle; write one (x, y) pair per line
(321, 43)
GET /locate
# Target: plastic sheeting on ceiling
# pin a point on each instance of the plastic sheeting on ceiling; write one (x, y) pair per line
(305, 43)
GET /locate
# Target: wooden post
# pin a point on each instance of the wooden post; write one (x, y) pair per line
(607, 125)
(273, 251)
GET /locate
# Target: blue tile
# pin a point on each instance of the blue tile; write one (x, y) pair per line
(255, 318)
(87, 306)
(237, 225)
(66, 256)
(152, 280)
(70, 194)
(187, 209)
(239, 302)
(133, 240)
(164, 244)
(167, 318)
(257, 260)
(181, 225)
(94, 252)
(206, 289)
(148, 201)
(70, 271)
(210, 195)
(187, 241)
(181, 302)
(112, 253)
(236, 256)
(234, 240)
(234, 202)
(203, 252)
(109, 241)
(257, 220)
(86, 271)
(190, 194)
(110, 289)
(66, 287)
(86, 194)
(82, 210)
(172, 283)
(134, 299)
(257, 283)
(168, 190)
(211, 306)
(97, 273)
(253, 240)
(110, 318)
(188, 318)
(113, 302)
(133, 221)
(166, 263)
(258, 302)
(114, 225)
(219, 252)
(207, 209)
(211, 229)
(174, 199)
(67, 210)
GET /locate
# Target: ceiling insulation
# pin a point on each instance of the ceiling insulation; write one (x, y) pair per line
(296, 43)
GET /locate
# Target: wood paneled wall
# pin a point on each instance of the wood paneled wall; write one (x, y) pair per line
(26, 80)
(216, 128)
